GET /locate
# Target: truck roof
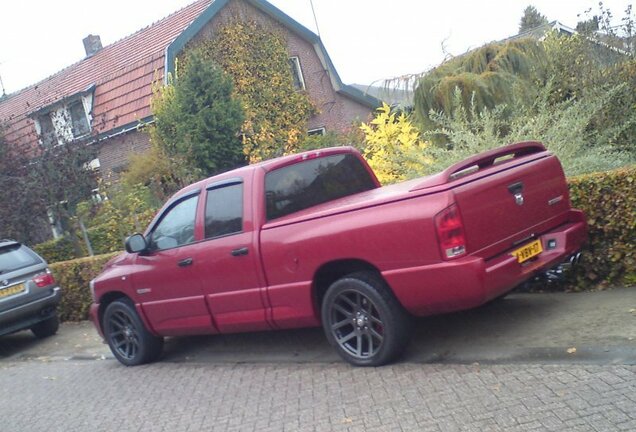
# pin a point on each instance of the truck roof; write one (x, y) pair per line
(268, 165)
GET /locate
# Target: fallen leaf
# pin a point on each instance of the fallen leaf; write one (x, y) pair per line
(571, 350)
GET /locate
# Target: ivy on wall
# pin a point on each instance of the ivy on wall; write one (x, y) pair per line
(256, 57)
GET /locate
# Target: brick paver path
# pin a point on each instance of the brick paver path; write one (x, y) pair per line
(104, 396)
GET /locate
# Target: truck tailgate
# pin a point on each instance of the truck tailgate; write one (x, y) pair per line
(512, 205)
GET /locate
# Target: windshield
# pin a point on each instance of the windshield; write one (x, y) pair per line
(15, 257)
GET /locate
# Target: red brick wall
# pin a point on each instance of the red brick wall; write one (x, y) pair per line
(115, 152)
(336, 112)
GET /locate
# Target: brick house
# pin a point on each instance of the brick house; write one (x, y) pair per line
(104, 97)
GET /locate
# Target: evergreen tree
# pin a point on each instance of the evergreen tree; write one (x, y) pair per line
(495, 74)
(531, 18)
(198, 120)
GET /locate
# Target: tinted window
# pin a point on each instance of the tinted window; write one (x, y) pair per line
(312, 182)
(176, 227)
(224, 211)
(16, 257)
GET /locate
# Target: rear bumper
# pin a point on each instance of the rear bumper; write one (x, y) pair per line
(27, 315)
(471, 281)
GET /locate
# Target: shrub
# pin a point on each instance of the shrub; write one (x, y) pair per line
(56, 250)
(73, 277)
(567, 128)
(394, 147)
(609, 201)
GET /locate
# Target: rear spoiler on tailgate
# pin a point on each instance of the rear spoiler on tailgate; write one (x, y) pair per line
(481, 162)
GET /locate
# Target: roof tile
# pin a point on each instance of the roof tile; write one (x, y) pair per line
(122, 73)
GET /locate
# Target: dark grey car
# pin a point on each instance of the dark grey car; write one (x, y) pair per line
(29, 294)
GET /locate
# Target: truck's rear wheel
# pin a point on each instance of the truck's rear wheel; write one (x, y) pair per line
(129, 340)
(364, 321)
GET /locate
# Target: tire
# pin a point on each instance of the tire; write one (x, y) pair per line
(46, 328)
(364, 321)
(129, 340)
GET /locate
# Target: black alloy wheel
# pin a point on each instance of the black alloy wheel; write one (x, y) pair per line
(356, 324)
(130, 342)
(364, 321)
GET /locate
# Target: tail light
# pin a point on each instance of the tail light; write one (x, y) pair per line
(450, 232)
(44, 279)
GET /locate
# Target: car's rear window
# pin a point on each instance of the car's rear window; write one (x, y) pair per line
(15, 257)
(315, 181)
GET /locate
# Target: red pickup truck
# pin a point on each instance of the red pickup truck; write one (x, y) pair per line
(313, 239)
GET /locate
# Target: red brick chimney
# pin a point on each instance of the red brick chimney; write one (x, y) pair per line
(92, 44)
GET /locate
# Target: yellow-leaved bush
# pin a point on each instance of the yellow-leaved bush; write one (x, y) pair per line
(394, 147)
(276, 113)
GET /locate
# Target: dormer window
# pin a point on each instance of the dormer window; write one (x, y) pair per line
(66, 120)
(79, 120)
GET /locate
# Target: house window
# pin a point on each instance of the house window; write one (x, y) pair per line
(79, 121)
(297, 73)
(317, 131)
(47, 131)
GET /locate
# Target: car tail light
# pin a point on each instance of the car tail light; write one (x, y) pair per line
(450, 232)
(44, 279)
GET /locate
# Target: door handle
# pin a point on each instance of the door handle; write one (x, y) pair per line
(240, 252)
(185, 262)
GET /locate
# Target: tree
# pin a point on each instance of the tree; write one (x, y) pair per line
(276, 112)
(34, 182)
(531, 18)
(198, 119)
(497, 73)
(601, 26)
(21, 205)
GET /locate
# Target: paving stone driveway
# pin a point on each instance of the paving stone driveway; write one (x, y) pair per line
(503, 367)
(103, 396)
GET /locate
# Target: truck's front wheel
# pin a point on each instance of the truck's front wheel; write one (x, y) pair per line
(364, 321)
(131, 343)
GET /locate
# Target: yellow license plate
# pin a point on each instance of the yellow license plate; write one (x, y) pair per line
(9, 291)
(528, 251)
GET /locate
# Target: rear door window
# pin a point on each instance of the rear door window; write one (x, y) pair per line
(224, 211)
(315, 181)
(16, 257)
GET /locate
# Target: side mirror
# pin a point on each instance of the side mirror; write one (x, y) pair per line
(136, 243)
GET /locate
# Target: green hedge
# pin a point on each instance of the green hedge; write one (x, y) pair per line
(73, 277)
(56, 250)
(609, 201)
(61, 249)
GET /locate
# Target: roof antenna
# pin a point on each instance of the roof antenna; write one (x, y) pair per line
(311, 2)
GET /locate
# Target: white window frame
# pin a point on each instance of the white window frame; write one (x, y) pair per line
(299, 71)
(62, 120)
(317, 131)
